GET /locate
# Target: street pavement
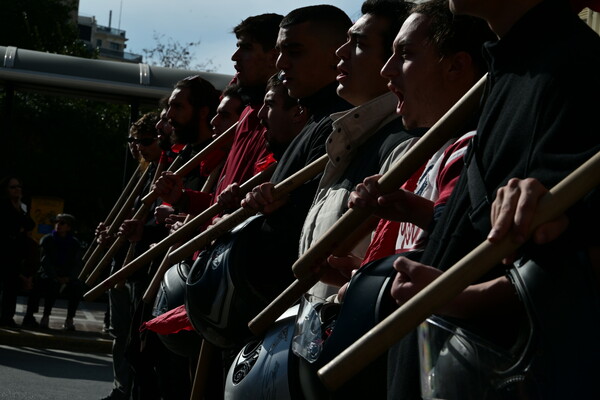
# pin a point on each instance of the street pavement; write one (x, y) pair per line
(28, 373)
(88, 336)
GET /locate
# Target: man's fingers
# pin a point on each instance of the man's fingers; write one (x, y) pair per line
(266, 191)
(404, 266)
(531, 193)
(503, 210)
(550, 230)
(514, 208)
(345, 264)
(362, 196)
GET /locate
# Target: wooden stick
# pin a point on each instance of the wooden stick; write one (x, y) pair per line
(128, 258)
(160, 167)
(181, 234)
(453, 281)
(184, 233)
(162, 162)
(149, 199)
(400, 171)
(116, 207)
(207, 351)
(292, 293)
(152, 289)
(91, 248)
(281, 189)
(121, 200)
(193, 162)
(212, 177)
(114, 226)
(141, 214)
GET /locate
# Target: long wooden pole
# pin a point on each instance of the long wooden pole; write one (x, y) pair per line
(147, 200)
(141, 213)
(115, 209)
(286, 186)
(128, 257)
(178, 236)
(205, 358)
(114, 226)
(400, 171)
(336, 236)
(281, 189)
(259, 324)
(162, 163)
(453, 281)
(152, 289)
(212, 178)
(193, 162)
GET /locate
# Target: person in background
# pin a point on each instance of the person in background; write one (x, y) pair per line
(14, 237)
(60, 264)
(229, 110)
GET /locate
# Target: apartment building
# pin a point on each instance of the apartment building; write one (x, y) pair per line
(108, 41)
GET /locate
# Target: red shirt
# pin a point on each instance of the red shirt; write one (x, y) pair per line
(248, 156)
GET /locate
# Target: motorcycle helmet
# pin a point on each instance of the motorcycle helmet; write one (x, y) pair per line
(170, 295)
(265, 368)
(235, 279)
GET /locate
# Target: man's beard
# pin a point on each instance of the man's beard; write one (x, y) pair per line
(276, 148)
(186, 133)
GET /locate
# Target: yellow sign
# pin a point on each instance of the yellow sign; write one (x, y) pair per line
(43, 210)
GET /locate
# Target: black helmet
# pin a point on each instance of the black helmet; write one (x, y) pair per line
(171, 294)
(458, 364)
(235, 279)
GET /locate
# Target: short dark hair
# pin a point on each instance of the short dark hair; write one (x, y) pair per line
(324, 16)
(163, 103)
(146, 125)
(452, 33)
(233, 90)
(66, 218)
(395, 12)
(274, 82)
(202, 93)
(262, 29)
(4, 183)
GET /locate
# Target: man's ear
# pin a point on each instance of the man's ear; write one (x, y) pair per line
(300, 115)
(203, 112)
(458, 64)
(273, 54)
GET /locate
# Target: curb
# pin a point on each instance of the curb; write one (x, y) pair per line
(82, 342)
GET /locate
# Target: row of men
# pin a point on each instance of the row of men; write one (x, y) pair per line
(364, 93)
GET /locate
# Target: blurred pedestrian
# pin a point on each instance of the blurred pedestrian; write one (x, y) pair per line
(60, 264)
(15, 237)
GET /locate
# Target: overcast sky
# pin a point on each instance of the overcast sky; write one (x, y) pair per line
(210, 22)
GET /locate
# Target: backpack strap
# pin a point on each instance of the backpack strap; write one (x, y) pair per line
(480, 201)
